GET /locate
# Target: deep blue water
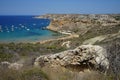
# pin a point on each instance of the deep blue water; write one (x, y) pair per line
(23, 29)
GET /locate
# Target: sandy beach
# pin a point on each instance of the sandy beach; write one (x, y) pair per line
(68, 36)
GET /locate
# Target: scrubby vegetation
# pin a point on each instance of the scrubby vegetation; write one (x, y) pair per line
(117, 17)
(14, 51)
(101, 30)
(23, 74)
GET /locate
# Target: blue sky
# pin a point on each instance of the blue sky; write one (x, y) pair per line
(39, 7)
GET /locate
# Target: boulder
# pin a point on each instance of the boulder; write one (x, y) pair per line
(9, 65)
(4, 64)
(87, 55)
(66, 44)
(15, 66)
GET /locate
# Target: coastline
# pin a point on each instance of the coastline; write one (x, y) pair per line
(51, 28)
(73, 24)
(57, 39)
(70, 25)
(67, 36)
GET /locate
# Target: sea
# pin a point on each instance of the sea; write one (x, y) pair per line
(24, 29)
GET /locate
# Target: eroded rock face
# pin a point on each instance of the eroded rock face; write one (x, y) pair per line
(82, 55)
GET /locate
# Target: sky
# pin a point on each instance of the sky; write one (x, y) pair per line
(40, 7)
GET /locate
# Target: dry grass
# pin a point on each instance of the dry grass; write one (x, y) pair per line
(60, 73)
(23, 74)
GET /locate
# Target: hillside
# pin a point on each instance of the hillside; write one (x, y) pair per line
(79, 23)
(89, 49)
(101, 30)
(85, 25)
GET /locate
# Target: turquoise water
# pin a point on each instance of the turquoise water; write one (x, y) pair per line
(24, 29)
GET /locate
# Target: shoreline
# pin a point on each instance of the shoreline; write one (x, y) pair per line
(64, 36)
(57, 39)
(67, 36)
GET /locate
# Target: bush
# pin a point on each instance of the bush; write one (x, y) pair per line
(5, 57)
(117, 17)
(51, 47)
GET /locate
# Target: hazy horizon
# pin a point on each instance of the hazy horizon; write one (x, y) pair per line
(27, 7)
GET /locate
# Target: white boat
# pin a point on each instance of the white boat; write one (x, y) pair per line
(8, 31)
(22, 26)
(12, 29)
(34, 24)
(12, 25)
(28, 29)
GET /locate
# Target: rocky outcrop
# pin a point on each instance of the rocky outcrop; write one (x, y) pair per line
(66, 44)
(86, 55)
(9, 65)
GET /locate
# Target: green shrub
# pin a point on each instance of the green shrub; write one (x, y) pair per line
(5, 57)
(51, 47)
